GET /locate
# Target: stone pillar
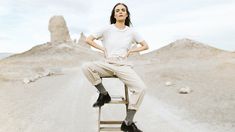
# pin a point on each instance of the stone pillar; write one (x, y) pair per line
(58, 29)
(82, 41)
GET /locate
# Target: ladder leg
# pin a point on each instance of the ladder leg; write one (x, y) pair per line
(100, 123)
(99, 119)
(126, 96)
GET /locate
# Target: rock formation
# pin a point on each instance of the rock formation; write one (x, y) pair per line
(58, 29)
(82, 42)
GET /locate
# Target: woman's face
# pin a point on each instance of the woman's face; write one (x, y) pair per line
(120, 13)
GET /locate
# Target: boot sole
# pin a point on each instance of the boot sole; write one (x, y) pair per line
(101, 105)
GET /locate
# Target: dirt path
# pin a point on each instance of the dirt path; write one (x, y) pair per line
(63, 103)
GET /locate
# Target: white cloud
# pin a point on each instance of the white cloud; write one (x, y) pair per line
(4, 8)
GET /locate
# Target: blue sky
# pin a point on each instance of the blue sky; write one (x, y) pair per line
(24, 23)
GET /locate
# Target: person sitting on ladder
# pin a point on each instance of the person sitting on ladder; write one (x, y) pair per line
(117, 39)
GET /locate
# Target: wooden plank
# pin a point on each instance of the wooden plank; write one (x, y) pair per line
(117, 102)
(117, 97)
(110, 129)
(111, 122)
(114, 76)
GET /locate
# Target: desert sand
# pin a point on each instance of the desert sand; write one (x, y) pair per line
(44, 90)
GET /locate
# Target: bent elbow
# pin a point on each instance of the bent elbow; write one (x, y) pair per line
(87, 40)
(146, 47)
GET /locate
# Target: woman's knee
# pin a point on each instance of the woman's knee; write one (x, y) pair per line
(140, 90)
(143, 90)
(86, 66)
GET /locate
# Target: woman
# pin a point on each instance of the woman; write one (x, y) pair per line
(117, 39)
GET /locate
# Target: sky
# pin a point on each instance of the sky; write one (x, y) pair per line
(24, 23)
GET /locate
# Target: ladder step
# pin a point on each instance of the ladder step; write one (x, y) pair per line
(117, 97)
(111, 122)
(110, 129)
(118, 102)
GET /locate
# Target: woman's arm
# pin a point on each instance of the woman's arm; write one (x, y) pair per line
(90, 41)
(144, 46)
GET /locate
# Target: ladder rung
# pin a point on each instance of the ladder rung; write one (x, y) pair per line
(117, 97)
(111, 122)
(117, 102)
(110, 129)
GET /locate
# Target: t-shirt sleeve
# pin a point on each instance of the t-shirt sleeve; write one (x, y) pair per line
(137, 37)
(99, 33)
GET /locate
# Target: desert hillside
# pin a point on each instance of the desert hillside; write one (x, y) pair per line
(44, 57)
(4, 55)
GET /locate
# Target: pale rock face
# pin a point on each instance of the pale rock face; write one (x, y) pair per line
(26, 80)
(82, 41)
(58, 29)
(41, 72)
(185, 90)
(168, 83)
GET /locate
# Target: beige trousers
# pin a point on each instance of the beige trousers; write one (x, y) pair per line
(97, 69)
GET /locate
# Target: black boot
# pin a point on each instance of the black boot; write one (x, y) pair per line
(103, 98)
(130, 128)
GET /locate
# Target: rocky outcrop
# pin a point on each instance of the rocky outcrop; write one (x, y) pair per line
(58, 29)
(82, 41)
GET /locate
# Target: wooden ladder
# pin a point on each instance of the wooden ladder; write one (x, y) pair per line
(104, 125)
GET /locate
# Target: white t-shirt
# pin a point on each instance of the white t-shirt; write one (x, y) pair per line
(117, 41)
